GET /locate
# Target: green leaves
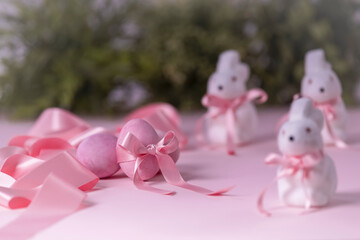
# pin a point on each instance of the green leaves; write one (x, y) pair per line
(74, 53)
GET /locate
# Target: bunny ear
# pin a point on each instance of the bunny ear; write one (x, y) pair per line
(228, 60)
(315, 61)
(304, 108)
(244, 71)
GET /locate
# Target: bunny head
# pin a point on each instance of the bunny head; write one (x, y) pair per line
(320, 82)
(229, 80)
(301, 134)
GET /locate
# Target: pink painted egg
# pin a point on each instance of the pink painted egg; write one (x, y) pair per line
(143, 131)
(98, 154)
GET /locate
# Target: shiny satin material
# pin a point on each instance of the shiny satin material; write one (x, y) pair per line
(291, 165)
(161, 116)
(228, 108)
(131, 149)
(39, 170)
(53, 201)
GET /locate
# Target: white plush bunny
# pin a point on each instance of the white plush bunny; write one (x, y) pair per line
(322, 85)
(299, 140)
(228, 83)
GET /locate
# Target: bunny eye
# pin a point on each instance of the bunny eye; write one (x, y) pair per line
(308, 130)
(310, 81)
(233, 78)
(220, 87)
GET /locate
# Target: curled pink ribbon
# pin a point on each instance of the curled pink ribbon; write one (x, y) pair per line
(228, 108)
(131, 149)
(50, 186)
(161, 116)
(54, 125)
(39, 170)
(290, 166)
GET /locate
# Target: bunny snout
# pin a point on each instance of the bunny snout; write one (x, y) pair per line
(322, 90)
(299, 137)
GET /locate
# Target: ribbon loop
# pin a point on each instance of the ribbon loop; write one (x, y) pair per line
(131, 149)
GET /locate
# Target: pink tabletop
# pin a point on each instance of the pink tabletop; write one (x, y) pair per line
(115, 209)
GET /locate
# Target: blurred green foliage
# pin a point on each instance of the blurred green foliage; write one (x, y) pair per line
(76, 52)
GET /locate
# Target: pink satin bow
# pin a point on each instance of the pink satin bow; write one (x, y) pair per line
(131, 149)
(228, 108)
(161, 116)
(290, 166)
(327, 108)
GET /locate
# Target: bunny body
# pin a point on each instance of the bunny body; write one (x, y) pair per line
(301, 136)
(319, 186)
(229, 82)
(247, 122)
(323, 86)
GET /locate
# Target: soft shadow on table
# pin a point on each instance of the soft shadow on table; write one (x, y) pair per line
(265, 137)
(345, 199)
(353, 139)
(339, 199)
(188, 172)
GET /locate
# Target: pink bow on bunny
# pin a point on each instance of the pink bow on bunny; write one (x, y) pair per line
(327, 108)
(291, 165)
(227, 107)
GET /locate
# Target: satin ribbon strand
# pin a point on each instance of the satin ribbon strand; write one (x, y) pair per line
(39, 171)
(228, 108)
(54, 201)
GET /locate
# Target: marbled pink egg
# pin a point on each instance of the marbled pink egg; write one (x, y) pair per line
(98, 154)
(147, 135)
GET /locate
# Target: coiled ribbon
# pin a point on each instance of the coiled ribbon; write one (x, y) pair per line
(228, 108)
(39, 171)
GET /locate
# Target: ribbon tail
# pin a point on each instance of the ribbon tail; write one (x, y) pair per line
(140, 184)
(306, 194)
(260, 201)
(231, 131)
(337, 142)
(172, 176)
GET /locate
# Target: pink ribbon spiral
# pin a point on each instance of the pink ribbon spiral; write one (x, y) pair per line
(42, 174)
